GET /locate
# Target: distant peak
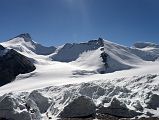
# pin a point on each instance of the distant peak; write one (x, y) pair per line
(145, 44)
(26, 36)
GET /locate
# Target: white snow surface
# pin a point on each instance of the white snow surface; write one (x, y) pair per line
(61, 79)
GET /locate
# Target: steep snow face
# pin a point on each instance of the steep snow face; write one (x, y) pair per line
(91, 60)
(23, 43)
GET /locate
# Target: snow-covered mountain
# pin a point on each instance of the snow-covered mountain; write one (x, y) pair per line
(103, 55)
(24, 43)
(71, 73)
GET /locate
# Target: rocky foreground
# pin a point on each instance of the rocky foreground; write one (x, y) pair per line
(125, 98)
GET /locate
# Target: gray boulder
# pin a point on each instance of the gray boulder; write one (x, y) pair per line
(79, 108)
(42, 102)
(33, 110)
(153, 102)
(10, 108)
(13, 108)
(118, 109)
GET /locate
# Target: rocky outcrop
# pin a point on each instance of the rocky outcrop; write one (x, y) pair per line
(33, 109)
(12, 64)
(153, 102)
(104, 56)
(42, 102)
(80, 107)
(118, 109)
(12, 108)
(137, 105)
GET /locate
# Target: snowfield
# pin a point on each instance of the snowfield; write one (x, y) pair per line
(129, 85)
(57, 73)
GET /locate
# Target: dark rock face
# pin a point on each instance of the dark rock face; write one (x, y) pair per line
(153, 102)
(104, 56)
(80, 107)
(118, 109)
(12, 64)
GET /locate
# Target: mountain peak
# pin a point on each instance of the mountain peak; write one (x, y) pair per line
(24, 43)
(98, 42)
(100, 39)
(26, 37)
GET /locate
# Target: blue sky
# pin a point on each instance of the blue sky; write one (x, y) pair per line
(55, 22)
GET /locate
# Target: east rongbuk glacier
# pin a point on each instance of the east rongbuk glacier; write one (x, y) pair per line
(94, 80)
